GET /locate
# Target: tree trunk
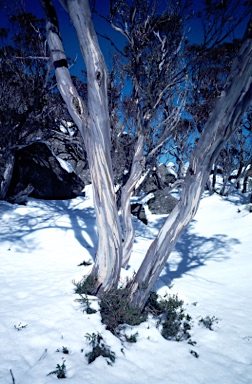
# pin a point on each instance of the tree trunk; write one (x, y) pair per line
(248, 174)
(243, 169)
(222, 123)
(6, 173)
(226, 177)
(93, 123)
(214, 176)
(128, 228)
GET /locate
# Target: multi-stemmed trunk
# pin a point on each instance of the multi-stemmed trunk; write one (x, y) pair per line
(128, 227)
(222, 123)
(93, 123)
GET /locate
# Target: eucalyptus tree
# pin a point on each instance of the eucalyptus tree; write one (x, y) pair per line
(21, 86)
(92, 118)
(208, 78)
(31, 108)
(152, 65)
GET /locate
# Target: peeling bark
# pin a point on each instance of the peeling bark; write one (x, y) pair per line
(93, 122)
(222, 123)
(135, 174)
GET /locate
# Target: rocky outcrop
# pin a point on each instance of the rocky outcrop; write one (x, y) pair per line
(159, 178)
(162, 202)
(39, 172)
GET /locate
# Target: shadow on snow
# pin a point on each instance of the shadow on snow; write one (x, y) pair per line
(17, 222)
(193, 251)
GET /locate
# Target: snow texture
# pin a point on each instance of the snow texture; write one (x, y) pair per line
(210, 269)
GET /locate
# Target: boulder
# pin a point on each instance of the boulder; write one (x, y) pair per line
(162, 202)
(166, 175)
(150, 184)
(159, 178)
(37, 167)
(75, 155)
(138, 211)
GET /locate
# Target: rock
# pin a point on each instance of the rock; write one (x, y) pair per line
(166, 175)
(85, 176)
(162, 203)
(37, 167)
(150, 184)
(138, 211)
(21, 197)
(159, 178)
(74, 155)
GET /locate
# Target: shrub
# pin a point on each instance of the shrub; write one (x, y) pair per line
(131, 338)
(194, 353)
(20, 326)
(60, 371)
(84, 299)
(208, 322)
(87, 286)
(116, 310)
(63, 350)
(99, 348)
(175, 323)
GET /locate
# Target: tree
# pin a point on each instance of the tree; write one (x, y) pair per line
(31, 108)
(92, 119)
(19, 88)
(151, 65)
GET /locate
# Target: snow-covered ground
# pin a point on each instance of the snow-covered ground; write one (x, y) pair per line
(210, 269)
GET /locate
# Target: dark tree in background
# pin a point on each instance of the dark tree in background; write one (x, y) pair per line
(31, 108)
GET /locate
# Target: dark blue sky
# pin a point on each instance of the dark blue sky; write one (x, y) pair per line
(69, 36)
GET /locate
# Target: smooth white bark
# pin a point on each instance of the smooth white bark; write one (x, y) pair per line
(222, 123)
(93, 122)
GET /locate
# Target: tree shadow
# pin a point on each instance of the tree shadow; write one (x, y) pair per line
(17, 222)
(82, 221)
(236, 197)
(193, 251)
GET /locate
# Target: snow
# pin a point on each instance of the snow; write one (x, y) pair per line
(65, 165)
(67, 127)
(41, 246)
(172, 169)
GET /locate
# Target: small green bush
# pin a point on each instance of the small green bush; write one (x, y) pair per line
(87, 286)
(131, 338)
(175, 323)
(116, 310)
(63, 350)
(84, 299)
(60, 371)
(99, 348)
(194, 353)
(208, 322)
